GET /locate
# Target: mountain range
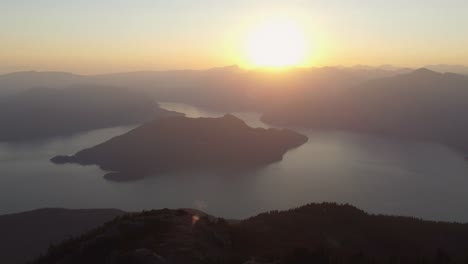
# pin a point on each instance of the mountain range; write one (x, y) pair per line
(422, 105)
(47, 112)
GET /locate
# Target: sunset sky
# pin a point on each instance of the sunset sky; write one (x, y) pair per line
(97, 36)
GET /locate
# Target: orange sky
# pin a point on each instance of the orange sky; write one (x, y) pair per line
(95, 37)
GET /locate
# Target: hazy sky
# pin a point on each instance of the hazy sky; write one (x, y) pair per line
(91, 36)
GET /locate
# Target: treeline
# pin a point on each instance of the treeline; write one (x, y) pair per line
(345, 234)
(325, 233)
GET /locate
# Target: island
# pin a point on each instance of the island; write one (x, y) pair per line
(182, 143)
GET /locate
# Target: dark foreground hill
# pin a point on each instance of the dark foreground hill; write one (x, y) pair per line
(315, 233)
(44, 112)
(23, 236)
(180, 143)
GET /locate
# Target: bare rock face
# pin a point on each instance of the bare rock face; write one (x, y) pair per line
(181, 143)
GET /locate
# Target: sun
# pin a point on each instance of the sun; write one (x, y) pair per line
(276, 44)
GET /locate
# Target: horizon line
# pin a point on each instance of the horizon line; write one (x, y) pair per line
(388, 67)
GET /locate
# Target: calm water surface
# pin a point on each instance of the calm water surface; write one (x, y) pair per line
(378, 175)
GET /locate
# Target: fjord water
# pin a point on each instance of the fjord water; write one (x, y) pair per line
(379, 175)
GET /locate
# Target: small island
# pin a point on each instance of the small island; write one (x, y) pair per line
(181, 143)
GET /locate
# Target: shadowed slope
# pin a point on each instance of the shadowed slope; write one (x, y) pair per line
(25, 235)
(180, 143)
(315, 233)
(423, 105)
(42, 112)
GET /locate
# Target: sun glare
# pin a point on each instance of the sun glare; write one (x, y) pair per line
(276, 44)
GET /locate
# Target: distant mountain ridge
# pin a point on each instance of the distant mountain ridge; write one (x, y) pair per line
(422, 104)
(46, 112)
(443, 68)
(17, 82)
(228, 89)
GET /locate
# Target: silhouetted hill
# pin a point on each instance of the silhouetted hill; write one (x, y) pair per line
(23, 236)
(460, 69)
(175, 235)
(17, 82)
(180, 143)
(315, 233)
(45, 112)
(345, 232)
(422, 104)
